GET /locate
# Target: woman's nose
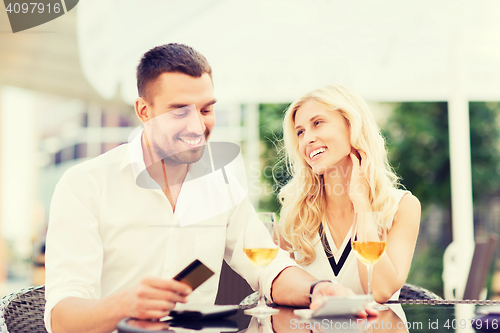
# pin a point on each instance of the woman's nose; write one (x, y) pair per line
(309, 138)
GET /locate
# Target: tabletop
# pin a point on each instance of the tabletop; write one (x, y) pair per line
(398, 318)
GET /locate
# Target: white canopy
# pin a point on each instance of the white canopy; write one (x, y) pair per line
(275, 50)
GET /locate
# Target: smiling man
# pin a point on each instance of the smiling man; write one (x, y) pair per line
(123, 224)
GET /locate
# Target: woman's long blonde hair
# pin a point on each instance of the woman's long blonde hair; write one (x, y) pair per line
(303, 197)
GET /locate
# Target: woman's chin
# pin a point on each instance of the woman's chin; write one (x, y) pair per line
(338, 169)
(319, 170)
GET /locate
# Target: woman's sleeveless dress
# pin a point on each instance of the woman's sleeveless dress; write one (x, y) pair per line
(343, 267)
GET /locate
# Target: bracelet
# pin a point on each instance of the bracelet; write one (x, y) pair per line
(314, 285)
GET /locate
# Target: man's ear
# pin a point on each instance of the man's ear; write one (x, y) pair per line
(142, 110)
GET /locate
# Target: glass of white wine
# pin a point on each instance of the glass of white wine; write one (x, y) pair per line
(261, 245)
(369, 242)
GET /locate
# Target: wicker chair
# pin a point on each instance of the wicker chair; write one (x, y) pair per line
(22, 311)
(250, 301)
(410, 291)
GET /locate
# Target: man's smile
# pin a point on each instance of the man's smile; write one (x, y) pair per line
(192, 143)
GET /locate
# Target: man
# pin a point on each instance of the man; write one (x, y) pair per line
(123, 224)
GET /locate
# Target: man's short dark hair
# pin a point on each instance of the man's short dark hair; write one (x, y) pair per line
(169, 58)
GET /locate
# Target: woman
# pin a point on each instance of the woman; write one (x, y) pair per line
(340, 167)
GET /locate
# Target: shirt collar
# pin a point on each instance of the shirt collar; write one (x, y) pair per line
(134, 156)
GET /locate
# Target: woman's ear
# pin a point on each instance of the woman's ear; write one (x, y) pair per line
(356, 153)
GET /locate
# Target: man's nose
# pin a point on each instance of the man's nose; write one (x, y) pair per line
(195, 123)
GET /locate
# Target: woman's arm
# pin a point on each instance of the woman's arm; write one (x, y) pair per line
(390, 273)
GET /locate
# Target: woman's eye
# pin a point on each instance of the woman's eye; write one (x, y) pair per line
(317, 122)
(300, 132)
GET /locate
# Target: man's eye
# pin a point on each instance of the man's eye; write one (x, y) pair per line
(180, 114)
(206, 111)
(317, 122)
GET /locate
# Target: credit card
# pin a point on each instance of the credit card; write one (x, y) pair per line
(194, 274)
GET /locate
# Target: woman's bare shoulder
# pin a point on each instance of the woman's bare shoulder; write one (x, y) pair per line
(409, 202)
(409, 210)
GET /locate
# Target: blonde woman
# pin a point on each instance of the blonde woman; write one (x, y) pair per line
(339, 167)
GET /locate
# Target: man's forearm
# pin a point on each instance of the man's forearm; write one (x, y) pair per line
(84, 315)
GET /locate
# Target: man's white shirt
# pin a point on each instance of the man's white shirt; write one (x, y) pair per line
(106, 232)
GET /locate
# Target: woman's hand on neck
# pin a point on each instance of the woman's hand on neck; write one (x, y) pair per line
(359, 188)
(346, 187)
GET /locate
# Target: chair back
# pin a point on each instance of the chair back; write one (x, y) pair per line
(465, 270)
(480, 266)
(22, 311)
(232, 287)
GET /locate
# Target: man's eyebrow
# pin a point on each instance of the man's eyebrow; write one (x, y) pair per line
(174, 106)
(212, 102)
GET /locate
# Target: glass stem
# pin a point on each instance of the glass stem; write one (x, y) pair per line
(370, 281)
(262, 299)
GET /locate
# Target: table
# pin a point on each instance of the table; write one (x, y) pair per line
(399, 318)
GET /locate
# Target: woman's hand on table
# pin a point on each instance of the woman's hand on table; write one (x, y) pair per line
(334, 289)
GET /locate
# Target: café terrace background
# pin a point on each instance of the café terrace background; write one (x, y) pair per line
(53, 114)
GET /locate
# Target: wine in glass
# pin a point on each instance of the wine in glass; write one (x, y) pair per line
(369, 242)
(261, 245)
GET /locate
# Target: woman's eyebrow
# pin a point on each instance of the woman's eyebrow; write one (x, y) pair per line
(310, 120)
(314, 118)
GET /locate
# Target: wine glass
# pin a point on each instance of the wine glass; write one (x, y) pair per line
(261, 245)
(260, 325)
(369, 242)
